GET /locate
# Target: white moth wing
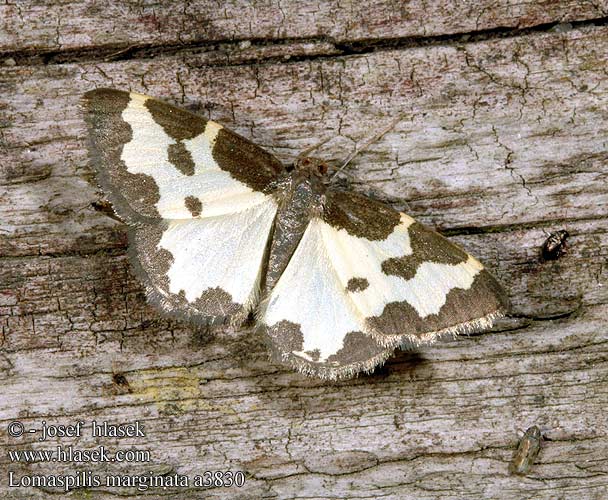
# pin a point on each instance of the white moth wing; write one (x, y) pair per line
(208, 268)
(312, 323)
(310, 294)
(196, 196)
(148, 153)
(215, 252)
(410, 284)
(426, 291)
(363, 267)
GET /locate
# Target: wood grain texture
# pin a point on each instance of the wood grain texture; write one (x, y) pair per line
(503, 140)
(38, 26)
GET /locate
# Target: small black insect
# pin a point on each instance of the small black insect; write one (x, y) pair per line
(555, 245)
(121, 384)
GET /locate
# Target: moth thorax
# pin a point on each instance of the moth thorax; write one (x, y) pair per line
(311, 165)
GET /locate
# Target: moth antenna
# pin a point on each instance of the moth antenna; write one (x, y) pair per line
(312, 148)
(367, 144)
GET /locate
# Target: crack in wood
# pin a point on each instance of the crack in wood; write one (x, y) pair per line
(340, 48)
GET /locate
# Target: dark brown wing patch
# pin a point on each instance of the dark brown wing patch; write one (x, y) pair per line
(245, 161)
(181, 158)
(194, 205)
(357, 284)
(215, 303)
(357, 348)
(484, 298)
(286, 336)
(360, 352)
(360, 216)
(427, 246)
(132, 195)
(179, 124)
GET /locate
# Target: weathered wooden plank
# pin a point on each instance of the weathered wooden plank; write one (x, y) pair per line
(407, 431)
(455, 159)
(39, 26)
(501, 143)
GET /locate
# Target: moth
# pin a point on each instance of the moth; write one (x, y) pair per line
(555, 245)
(219, 229)
(527, 451)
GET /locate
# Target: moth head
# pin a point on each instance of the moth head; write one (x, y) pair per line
(312, 166)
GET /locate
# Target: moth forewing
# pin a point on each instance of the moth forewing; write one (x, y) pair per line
(200, 220)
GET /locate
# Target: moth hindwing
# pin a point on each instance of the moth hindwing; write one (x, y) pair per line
(218, 228)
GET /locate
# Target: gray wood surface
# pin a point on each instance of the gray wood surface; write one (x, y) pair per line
(503, 140)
